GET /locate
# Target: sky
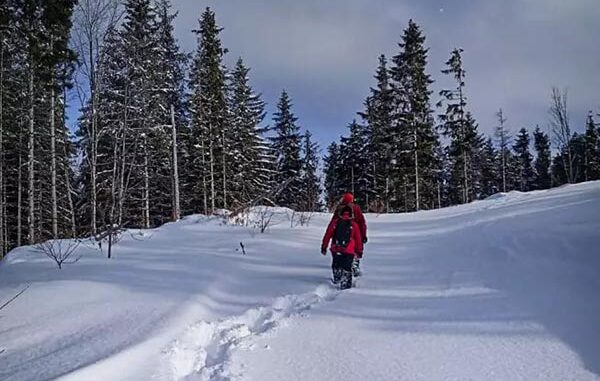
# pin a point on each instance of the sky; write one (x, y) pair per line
(324, 53)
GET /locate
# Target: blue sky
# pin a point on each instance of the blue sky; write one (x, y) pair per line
(324, 52)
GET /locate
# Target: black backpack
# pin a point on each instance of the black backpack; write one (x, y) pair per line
(342, 233)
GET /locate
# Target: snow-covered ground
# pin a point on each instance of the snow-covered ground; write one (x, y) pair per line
(502, 289)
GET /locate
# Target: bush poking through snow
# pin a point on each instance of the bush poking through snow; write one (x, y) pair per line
(264, 217)
(60, 250)
(301, 218)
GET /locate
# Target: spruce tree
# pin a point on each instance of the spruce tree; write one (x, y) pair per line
(168, 118)
(578, 151)
(331, 170)
(414, 117)
(490, 178)
(524, 161)
(286, 146)
(503, 139)
(209, 117)
(247, 150)
(458, 125)
(311, 183)
(378, 116)
(354, 164)
(541, 142)
(592, 150)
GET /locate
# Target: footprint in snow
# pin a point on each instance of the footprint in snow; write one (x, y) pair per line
(203, 352)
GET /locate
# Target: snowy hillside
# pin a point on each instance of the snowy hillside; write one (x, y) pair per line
(501, 289)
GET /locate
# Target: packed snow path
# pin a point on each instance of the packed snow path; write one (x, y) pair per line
(502, 289)
(203, 352)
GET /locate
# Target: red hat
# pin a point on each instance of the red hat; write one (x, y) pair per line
(348, 198)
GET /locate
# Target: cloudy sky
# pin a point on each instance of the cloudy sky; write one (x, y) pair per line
(324, 52)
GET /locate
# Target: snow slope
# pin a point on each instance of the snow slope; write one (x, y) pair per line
(501, 289)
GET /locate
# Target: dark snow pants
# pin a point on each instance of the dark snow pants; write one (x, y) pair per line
(341, 265)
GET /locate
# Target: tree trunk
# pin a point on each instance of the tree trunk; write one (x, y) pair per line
(439, 195)
(462, 132)
(146, 198)
(93, 144)
(387, 194)
(204, 186)
(570, 156)
(176, 206)
(66, 166)
(224, 170)
(53, 163)
(20, 187)
(503, 167)
(2, 198)
(416, 146)
(405, 186)
(212, 176)
(465, 180)
(31, 163)
(123, 159)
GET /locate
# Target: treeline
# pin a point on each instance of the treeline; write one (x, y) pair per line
(161, 133)
(405, 155)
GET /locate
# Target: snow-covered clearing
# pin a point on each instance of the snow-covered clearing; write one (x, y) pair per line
(501, 289)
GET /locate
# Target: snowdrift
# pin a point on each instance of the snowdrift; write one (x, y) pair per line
(501, 289)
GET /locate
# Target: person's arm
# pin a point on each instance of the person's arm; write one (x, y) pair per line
(357, 237)
(362, 223)
(328, 235)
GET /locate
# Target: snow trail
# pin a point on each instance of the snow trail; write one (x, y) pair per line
(203, 351)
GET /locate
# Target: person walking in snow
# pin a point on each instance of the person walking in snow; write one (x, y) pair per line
(346, 242)
(359, 218)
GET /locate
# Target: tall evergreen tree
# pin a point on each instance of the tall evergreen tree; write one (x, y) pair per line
(592, 150)
(503, 139)
(247, 151)
(459, 126)
(286, 145)
(331, 170)
(490, 178)
(310, 196)
(541, 142)
(383, 139)
(209, 117)
(414, 116)
(168, 119)
(578, 151)
(354, 164)
(524, 161)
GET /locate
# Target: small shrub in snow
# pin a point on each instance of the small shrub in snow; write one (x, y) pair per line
(60, 250)
(300, 218)
(263, 218)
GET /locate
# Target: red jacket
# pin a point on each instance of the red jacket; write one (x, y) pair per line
(359, 218)
(355, 246)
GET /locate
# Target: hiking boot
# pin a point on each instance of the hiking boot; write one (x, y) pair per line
(346, 281)
(337, 276)
(356, 267)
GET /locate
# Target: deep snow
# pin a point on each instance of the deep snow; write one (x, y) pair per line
(501, 289)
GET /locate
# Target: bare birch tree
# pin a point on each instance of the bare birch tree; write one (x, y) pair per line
(92, 21)
(561, 130)
(503, 139)
(175, 166)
